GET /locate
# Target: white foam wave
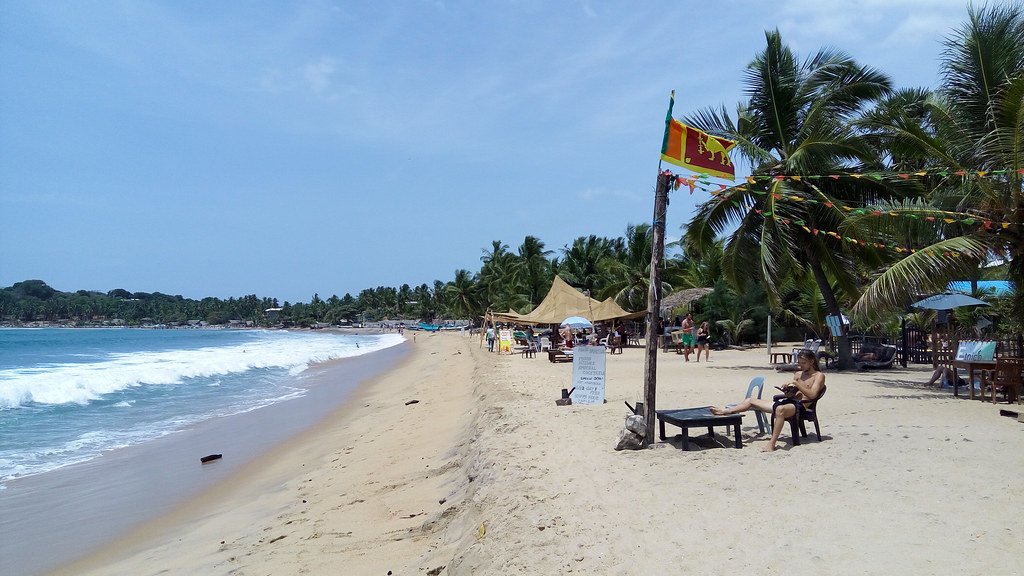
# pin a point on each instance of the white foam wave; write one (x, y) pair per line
(84, 382)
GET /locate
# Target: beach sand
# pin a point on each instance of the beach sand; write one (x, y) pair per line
(485, 475)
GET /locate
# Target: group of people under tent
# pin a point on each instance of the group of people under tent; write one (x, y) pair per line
(563, 336)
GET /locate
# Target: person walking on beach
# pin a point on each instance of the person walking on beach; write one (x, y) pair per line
(490, 338)
(687, 337)
(704, 341)
(806, 386)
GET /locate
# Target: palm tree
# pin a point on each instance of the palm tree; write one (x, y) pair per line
(973, 123)
(426, 310)
(498, 250)
(441, 301)
(535, 269)
(696, 269)
(628, 271)
(581, 263)
(796, 121)
(500, 279)
(734, 328)
(464, 294)
(805, 307)
(500, 284)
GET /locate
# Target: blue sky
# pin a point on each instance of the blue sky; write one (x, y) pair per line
(285, 149)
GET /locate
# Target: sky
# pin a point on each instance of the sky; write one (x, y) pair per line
(289, 148)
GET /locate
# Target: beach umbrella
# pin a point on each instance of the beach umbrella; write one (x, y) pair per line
(577, 322)
(948, 301)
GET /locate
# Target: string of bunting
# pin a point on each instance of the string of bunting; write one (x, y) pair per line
(987, 224)
(703, 181)
(879, 176)
(724, 193)
(853, 240)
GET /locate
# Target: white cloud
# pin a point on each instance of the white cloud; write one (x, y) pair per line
(922, 28)
(840, 22)
(318, 74)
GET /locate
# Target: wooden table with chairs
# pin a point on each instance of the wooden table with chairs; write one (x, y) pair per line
(1005, 373)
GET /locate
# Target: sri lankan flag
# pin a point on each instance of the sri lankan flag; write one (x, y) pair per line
(690, 148)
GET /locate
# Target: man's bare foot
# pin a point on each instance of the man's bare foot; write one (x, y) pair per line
(719, 411)
(768, 448)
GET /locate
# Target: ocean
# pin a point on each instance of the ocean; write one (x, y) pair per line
(70, 395)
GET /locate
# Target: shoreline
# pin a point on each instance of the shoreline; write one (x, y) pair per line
(62, 514)
(263, 506)
(486, 475)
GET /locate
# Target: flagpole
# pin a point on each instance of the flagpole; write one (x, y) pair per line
(654, 290)
(654, 304)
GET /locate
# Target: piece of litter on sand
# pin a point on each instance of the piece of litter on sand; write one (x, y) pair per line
(412, 402)
(211, 458)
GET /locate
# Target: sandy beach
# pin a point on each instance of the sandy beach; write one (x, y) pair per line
(485, 475)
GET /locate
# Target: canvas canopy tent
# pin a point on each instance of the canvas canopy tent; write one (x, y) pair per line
(608, 308)
(563, 301)
(510, 316)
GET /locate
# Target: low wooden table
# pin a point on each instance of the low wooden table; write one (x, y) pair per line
(694, 417)
(787, 357)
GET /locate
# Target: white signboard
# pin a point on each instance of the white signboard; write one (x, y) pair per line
(504, 341)
(976, 351)
(588, 374)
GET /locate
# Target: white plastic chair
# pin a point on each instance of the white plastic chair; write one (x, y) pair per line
(763, 422)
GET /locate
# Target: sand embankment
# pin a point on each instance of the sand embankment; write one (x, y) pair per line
(907, 480)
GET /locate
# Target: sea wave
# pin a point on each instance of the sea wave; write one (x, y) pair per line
(84, 382)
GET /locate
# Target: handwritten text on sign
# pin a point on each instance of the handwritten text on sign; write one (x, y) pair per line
(588, 374)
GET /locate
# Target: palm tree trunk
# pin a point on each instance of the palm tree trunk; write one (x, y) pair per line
(825, 287)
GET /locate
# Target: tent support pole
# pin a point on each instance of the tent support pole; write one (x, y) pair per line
(654, 303)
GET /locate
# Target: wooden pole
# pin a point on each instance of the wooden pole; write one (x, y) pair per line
(654, 303)
(903, 341)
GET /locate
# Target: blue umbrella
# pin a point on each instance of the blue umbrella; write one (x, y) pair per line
(577, 322)
(948, 301)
